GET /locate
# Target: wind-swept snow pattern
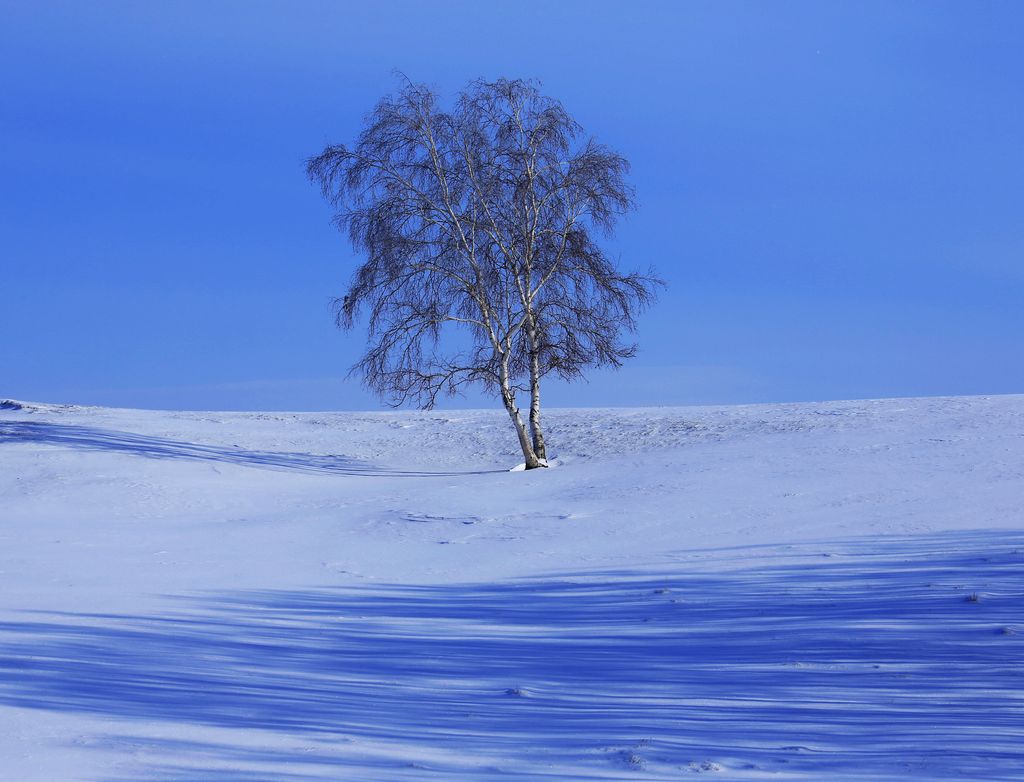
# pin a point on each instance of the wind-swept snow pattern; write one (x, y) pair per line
(801, 592)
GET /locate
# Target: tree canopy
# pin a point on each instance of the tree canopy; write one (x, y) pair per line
(486, 217)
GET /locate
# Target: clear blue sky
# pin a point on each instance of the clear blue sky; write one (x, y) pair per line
(834, 190)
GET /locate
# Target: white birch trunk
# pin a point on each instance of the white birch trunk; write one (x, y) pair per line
(535, 428)
(508, 397)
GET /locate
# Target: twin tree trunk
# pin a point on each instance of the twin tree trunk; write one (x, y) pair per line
(529, 454)
(531, 442)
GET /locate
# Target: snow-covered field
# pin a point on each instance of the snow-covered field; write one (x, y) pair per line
(797, 592)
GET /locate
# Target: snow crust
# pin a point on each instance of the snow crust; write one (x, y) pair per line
(801, 592)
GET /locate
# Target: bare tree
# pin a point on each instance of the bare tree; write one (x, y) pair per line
(482, 220)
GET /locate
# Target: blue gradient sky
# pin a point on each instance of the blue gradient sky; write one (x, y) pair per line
(834, 191)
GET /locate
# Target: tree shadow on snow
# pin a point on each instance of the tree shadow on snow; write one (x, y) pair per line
(875, 662)
(94, 439)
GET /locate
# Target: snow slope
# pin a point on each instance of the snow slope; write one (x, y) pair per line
(796, 592)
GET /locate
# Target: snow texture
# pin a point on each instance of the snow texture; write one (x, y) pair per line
(802, 592)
